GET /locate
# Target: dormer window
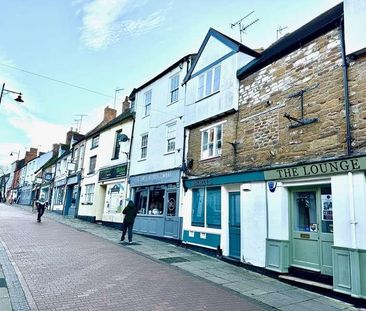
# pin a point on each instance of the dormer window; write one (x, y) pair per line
(209, 82)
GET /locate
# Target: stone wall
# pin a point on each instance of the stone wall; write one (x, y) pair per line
(263, 133)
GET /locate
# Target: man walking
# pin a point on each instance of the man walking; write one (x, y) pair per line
(41, 205)
(130, 215)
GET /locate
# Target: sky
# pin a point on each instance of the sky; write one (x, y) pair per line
(69, 57)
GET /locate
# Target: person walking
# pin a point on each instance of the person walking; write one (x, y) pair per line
(130, 214)
(41, 205)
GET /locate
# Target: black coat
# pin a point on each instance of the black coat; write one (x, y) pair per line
(130, 213)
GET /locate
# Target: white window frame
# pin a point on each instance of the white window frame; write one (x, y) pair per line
(171, 134)
(89, 193)
(212, 131)
(95, 142)
(143, 148)
(174, 88)
(147, 103)
(209, 82)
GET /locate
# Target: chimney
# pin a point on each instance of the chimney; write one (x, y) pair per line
(125, 105)
(109, 114)
(69, 137)
(55, 148)
(30, 155)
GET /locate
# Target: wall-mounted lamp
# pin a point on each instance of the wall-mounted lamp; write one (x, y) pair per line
(18, 99)
(247, 187)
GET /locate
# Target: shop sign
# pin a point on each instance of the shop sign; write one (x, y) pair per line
(165, 177)
(317, 169)
(73, 180)
(60, 182)
(200, 183)
(113, 172)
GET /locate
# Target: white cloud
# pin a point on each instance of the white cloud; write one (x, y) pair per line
(104, 22)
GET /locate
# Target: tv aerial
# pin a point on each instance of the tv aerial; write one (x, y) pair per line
(279, 31)
(242, 26)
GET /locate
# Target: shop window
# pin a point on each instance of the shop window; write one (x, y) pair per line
(59, 196)
(141, 196)
(156, 201)
(206, 207)
(211, 141)
(89, 194)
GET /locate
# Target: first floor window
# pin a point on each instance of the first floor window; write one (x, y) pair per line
(147, 104)
(170, 133)
(206, 207)
(117, 145)
(95, 142)
(209, 82)
(144, 141)
(89, 193)
(211, 142)
(174, 88)
(92, 164)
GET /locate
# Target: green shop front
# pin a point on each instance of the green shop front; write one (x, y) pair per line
(113, 198)
(317, 221)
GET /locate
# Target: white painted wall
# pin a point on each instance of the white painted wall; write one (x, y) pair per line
(278, 213)
(254, 224)
(342, 210)
(162, 113)
(355, 25)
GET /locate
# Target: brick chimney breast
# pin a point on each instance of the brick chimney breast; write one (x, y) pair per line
(109, 114)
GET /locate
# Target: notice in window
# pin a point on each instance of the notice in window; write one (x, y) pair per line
(327, 207)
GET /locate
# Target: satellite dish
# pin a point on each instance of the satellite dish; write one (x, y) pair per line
(123, 137)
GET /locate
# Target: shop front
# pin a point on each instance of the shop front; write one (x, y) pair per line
(156, 196)
(59, 195)
(25, 195)
(114, 183)
(72, 195)
(316, 219)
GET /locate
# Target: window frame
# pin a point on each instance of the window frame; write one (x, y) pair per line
(174, 88)
(206, 134)
(207, 220)
(117, 145)
(89, 195)
(143, 147)
(147, 103)
(209, 82)
(94, 142)
(171, 139)
(95, 164)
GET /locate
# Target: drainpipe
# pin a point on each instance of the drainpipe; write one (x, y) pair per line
(353, 221)
(129, 157)
(345, 89)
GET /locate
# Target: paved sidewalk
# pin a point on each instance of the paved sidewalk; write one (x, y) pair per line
(4, 294)
(247, 283)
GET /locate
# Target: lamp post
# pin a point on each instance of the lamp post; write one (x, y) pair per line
(115, 97)
(18, 99)
(12, 153)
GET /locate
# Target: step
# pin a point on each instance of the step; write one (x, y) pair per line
(304, 281)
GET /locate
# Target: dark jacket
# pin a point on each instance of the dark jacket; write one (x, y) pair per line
(130, 212)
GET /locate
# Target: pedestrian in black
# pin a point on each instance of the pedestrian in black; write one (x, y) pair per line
(130, 215)
(41, 205)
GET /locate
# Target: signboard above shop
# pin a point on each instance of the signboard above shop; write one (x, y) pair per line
(113, 172)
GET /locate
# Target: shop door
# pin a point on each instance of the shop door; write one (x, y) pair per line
(312, 229)
(234, 224)
(172, 222)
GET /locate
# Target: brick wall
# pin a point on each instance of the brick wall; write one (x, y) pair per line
(263, 132)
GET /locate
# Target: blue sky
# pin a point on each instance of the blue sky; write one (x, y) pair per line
(102, 45)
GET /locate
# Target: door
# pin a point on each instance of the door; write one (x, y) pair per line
(172, 222)
(312, 229)
(234, 224)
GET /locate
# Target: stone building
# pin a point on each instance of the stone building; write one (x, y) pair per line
(292, 165)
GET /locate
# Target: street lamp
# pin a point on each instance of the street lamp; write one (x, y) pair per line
(115, 96)
(18, 99)
(12, 153)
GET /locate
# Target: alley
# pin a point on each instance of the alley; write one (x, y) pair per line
(66, 269)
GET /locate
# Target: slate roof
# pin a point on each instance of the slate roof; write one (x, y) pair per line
(310, 31)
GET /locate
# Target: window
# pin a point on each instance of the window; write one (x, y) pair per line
(117, 145)
(132, 107)
(156, 201)
(89, 194)
(81, 157)
(95, 142)
(209, 82)
(174, 88)
(170, 137)
(206, 207)
(147, 103)
(59, 197)
(144, 140)
(92, 164)
(211, 142)
(76, 158)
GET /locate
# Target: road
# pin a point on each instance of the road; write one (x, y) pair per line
(61, 268)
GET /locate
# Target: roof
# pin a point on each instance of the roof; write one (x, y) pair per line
(231, 43)
(50, 162)
(105, 125)
(161, 74)
(315, 28)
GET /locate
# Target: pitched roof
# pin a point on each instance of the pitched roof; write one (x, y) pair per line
(230, 42)
(315, 28)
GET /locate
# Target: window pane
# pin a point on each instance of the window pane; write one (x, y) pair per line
(198, 211)
(156, 202)
(216, 85)
(327, 210)
(213, 207)
(305, 211)
(208, 83)
(172, 204)
(201, 81)
(204, 140)
(141, 201)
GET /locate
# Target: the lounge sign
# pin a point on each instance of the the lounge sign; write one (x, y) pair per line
(112, 172)
(317, 169)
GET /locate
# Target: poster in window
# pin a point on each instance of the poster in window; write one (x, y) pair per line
(327, 207)
(115, 198)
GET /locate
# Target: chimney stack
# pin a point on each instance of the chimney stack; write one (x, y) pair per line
(125, 105)
(30, 155)
(55, 148)
(109, 114)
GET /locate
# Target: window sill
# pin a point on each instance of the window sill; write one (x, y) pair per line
(140, 160)
(91, 148)
(170, 152)
(203, 98)
(112, 159)
(211, 159)
(90, 173)
(172, 103)
(86, 203)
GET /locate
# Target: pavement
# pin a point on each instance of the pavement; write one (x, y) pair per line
(69, 264)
